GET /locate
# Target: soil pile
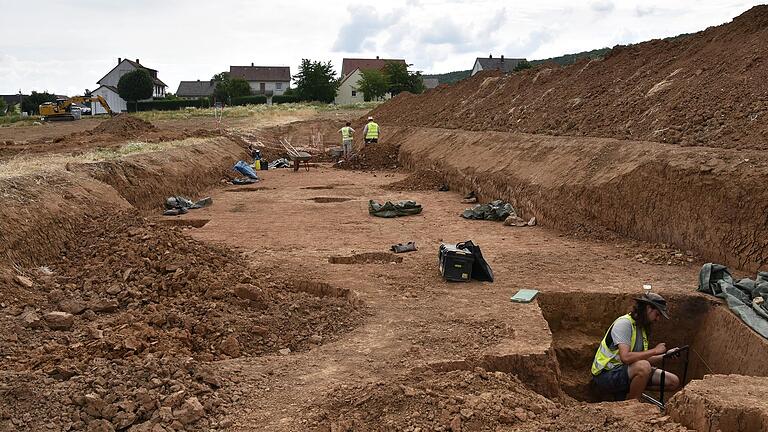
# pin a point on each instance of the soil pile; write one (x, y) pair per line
(420, 180)
(379, 156)
(704, 89)
(119, 330)
(125, 126)
(465, 400)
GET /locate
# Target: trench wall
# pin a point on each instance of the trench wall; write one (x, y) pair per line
(41, 213)
(710, 201)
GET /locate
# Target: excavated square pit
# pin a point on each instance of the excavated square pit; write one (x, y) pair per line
(719, 342)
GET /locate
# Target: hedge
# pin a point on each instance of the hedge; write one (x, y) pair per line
(249, 100)
(284, 99)
(169, 105)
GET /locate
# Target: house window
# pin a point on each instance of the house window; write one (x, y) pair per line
(354, 93)
(279, 86)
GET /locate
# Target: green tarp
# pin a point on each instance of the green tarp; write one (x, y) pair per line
(747, 298)
(390, 210)
(494, 210)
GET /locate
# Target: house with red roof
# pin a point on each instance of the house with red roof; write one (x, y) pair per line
(351, 73)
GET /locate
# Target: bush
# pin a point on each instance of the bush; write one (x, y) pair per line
(249, 100)
(284, 99)
(170, 104)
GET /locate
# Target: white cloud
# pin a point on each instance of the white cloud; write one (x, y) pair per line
(194, 39)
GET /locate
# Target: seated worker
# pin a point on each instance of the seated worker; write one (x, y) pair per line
(623, 365)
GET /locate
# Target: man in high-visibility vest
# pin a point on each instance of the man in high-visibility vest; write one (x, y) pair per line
(623, 364)
(346, 140)
(371, 131)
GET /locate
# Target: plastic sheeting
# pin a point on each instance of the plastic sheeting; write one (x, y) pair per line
(390, 209)
(494, 210)
(747, 298)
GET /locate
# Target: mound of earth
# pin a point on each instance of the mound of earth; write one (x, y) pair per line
(379, 156)
(703, 89)
(124, 125)
(420, 180)
(120, 329)
(469, 401)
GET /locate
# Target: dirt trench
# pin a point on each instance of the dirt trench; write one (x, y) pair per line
(710, 202)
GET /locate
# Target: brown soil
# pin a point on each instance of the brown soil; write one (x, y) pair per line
(141, 292)
(419, 180)
(471, 401)
(366, 258)
(705, 89)
(124, 125)
(379, 156)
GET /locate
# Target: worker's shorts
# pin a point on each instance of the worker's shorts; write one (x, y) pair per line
(614, 382)
(371, 140)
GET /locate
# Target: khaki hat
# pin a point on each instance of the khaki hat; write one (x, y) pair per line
(656, 301)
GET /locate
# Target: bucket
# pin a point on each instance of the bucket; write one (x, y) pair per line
(257, 164)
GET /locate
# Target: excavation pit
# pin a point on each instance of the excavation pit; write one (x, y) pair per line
(367, 258)
(325, 200)
(192, 223)
(719, 342)
(318, 187)
(249, 189)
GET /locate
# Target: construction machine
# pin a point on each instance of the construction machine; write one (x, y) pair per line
(62, 108)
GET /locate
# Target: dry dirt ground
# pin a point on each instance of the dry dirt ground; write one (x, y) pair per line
(419, 323)
(311, 324)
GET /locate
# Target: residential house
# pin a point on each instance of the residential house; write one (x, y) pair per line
(265, 80)
(490, 63)
(196, 89)
(351, 73)
(108, 85)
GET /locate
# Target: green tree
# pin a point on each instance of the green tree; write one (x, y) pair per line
(31, 103)
(135, 86)
(522, 65)
(316, 81)
(400, 79)
(239, 87)
(3, 107)
(221, 92)
(373, 84)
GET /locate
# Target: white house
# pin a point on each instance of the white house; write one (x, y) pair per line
(351, 73)
(108, 86)
(264, 79)
(490, 63)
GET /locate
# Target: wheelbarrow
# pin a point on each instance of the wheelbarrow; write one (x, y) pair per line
(295, 155)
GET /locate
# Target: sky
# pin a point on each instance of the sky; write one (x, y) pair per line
(65, 47)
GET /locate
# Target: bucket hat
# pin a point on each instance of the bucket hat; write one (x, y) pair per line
(656, 301)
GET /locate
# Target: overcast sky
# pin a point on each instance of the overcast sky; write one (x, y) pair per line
(66, 46)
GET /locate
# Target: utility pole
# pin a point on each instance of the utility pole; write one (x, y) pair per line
(20, 100)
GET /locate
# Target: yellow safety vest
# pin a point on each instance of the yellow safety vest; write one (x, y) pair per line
(346, 132)
(607, 358)
(373, 131)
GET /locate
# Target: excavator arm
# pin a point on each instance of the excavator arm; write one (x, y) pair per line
(97, 98)
(60, 110)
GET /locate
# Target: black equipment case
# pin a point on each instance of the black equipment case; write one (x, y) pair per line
(455, 263)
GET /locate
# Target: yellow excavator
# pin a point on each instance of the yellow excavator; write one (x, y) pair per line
(62, 108)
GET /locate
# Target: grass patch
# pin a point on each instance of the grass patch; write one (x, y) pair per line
(250, 110)
(25, 165)
(17, 120)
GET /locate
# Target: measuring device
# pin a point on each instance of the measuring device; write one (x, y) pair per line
(671, 353)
